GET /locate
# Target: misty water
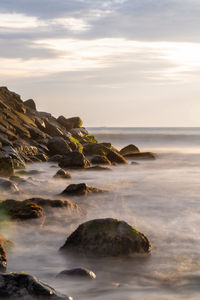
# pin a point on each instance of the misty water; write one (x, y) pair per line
(160, 198)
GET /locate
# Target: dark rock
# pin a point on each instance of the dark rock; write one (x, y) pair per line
(129, 150)
(56, 158)
(56, 203)
(4, 245)
(52, 129)
(62, 174)
(30, 104)
(106, 237)
(142, 155)
(80, 189)
(74, 159)
(70, 123)
(42, 157)
(82, 273)
(115, 157)
(58, 145)
(100, 160)
(21, 210)
(94, 149)
(9, 186)
(6, 167)
(79, 132)
(27, 287)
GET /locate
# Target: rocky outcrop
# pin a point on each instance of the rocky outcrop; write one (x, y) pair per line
(24, 286)
(80, 189)
(80, 273)
(4, 246)
(74, 159)
(106, 237)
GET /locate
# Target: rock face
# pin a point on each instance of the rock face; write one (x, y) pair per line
(4, 245)
(74, 159)
(6, 167)
(27, 287)
(80, 189)
(77, 272)
(106, 237)
(129, 150)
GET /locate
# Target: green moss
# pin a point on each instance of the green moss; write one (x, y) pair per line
(78, 144)
(89, 139)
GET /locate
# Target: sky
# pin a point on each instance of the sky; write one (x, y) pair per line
(113, 62)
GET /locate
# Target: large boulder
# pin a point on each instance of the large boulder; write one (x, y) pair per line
(106, 237)
(57, 145)
(70, 123)
(4, 246)
(115, 157)
(27, 287)
(74, 159)
(80, 189)
(129, 150)
(6, 167)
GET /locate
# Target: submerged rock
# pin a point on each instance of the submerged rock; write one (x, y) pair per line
(142, 155)
(129, 150)
(4, 245)
(100, 160)
(6, 167)
(62, 174)
(74, 159)
(106, 237)
(80, 189)
(82, 273)
(27, 287)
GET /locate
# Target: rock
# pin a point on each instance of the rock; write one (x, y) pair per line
(106, 237)
(56, 158)
(74, 159)
(100, 160)
(4, 245)
(52, 129)
(79, 132)
(27, 287)
(6, 167)
(58, 145)
(21, 210)
(95, 149)
(70, 123)
(142, 155)
(9, 186)
(30, 104)
(115, 157)
(80, 189)
(129, 150)
(30, 172)
(82, 273)
(62, 174)
(98, 168)
(42, 157)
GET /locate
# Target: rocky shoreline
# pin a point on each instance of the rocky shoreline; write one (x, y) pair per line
(27, 136)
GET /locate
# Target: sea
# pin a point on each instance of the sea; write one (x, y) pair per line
(161, 198)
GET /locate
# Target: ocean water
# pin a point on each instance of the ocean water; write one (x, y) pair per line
(161, 198)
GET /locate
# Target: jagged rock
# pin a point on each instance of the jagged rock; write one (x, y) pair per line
(30, 104)
(57, 145)
(6, 166)
(142, 155)
(27, 287)
(9, 186)
(100, 160)
(4, 246)
(62, 174)
(82, 273)
(80, 189)
(70, 123)
(106, 237)
(115, 157)
(21, 210)
(129, 150)
(74, 159)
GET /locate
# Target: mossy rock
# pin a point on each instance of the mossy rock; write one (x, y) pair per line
(106, 237)
(115, 157)
(94, 149)
(129, 150)
(75, 144)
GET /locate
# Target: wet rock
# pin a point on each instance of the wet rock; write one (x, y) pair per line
(58, 145)
(27, 287)
(62, 174)
(129, 150)
(141, 155)
(56, 158)
(6, 167)
(30, 104)
(21, 210)
(8, 186)
(100, 160)
(115, 157)
(70, 123)
(82, 273)
(4, 246)
(74, 159)
(106, 237)
(80, 189)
